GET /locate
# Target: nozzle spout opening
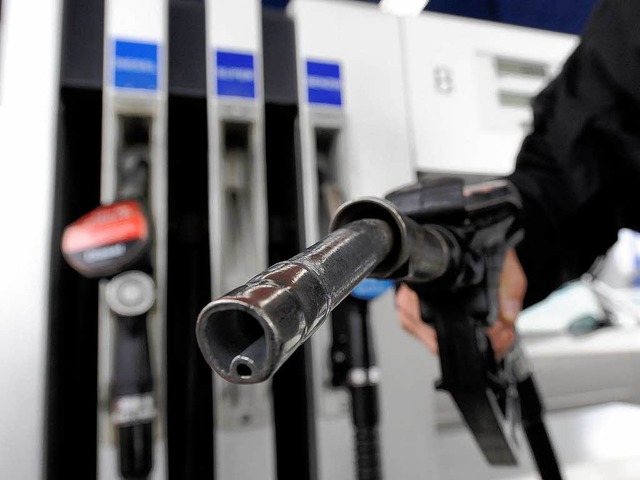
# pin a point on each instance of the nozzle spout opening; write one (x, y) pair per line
(234, 342)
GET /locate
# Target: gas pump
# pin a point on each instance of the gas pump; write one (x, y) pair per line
(111, 111)
(115, 109)
(124, 242)
(134, 125)
(237, 226)
(354, 141)
(29, 94)
(464, 78)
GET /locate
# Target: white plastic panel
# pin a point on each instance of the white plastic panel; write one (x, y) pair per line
(138, 20)
(29, 75)
(469, 85)
(592, 443)
(238, 225)
(374, 146)
(142, 22)
(235, 28)
(145, 22)
(235, 25)
(369, 155)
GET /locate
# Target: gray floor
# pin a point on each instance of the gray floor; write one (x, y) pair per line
(598, 442)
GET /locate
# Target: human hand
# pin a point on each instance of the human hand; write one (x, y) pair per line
(511, 291)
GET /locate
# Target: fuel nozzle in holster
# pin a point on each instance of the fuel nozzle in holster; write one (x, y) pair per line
(354, 367)
(114, 242)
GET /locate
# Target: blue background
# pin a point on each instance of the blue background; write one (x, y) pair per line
(320, 95)
(235, 87)
(127, 78)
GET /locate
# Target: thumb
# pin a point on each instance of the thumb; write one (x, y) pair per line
(512, 288)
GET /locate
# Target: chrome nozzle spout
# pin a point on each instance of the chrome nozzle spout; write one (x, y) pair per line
(248, 333)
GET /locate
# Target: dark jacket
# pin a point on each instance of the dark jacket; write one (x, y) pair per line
(579, 170)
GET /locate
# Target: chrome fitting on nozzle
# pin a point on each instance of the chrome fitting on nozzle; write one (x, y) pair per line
(376, 208)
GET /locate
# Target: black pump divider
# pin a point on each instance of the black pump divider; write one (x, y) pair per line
(71, 392)
(190, 423)
(72, 351)
(279, 58)
(187, 48)
(189, 391)
(70, 429)
(82, 45)
(293, 400)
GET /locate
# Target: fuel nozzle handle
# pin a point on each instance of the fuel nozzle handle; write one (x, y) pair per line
(130, 296)
(248, 333)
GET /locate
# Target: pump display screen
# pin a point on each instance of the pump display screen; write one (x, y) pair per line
(510, 67)
(514, 99)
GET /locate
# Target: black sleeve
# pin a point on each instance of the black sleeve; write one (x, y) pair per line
(579, 170)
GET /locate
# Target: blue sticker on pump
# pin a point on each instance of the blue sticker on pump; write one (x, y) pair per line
(324, 83)
(135, 65)
(370, 288)
(235, 75)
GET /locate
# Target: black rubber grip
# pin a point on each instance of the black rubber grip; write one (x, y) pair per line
(136, 455)
(368, 454)
(132, 378)
(532, 411)
(132, 362)
(542, 451)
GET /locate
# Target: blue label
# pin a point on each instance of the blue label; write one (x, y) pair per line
(235, 75)
(135, 65)
(323, 83)
(635, 279)
(370, 288)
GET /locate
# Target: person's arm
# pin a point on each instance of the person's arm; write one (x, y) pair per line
(579, 170)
